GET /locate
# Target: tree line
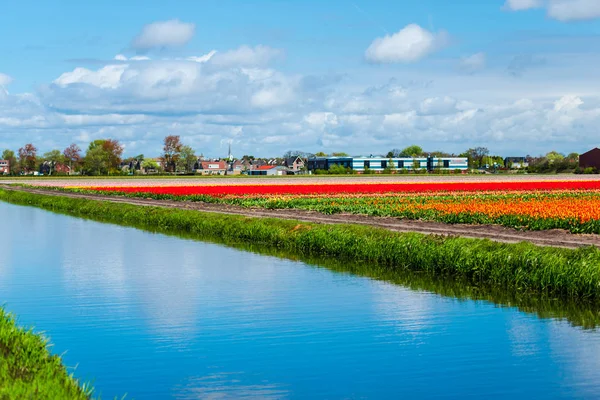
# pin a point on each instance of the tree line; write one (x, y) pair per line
(105, 157)
(102, 157)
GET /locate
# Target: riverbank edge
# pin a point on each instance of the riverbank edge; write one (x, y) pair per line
(522, 267)
(29, 370)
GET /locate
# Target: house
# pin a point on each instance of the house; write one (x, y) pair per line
(212, 168)
(516, 162)
(51, 168)
(4, 167)
(590, 159)
(236, 168)
(270, 170)
(294, 164)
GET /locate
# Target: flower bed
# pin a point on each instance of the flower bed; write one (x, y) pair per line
(571, 205)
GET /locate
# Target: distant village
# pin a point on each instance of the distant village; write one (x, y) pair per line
(104, 157)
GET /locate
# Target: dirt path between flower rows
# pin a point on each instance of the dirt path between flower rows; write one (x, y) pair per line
(553, 238)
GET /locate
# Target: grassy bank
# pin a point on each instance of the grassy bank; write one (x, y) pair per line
(522, 267)
(27, 368)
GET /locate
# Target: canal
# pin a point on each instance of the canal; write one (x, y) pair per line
(156, 316)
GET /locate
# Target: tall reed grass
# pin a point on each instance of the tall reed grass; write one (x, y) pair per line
(28, 370)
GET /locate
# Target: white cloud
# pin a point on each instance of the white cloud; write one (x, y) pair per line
(574, 10)
(164, 34)
(520, 5)
(202, 59)
(561, 10)
(438, 105)
(245, 56)
(568, 103)
(121, 57)
(408, 45)
(5, 80)
(107, 77)
(473, 63)
(264, 111)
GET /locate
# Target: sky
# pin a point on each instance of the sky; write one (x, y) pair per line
(363, 77)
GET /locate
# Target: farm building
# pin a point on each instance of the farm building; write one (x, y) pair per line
(379, 164)
(4, 167)
(269, 170)
(590, 159)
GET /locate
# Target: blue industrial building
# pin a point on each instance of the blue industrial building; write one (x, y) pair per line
(379, 164)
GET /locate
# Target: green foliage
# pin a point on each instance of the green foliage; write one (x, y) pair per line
(12, 160)
(554, 156)
(103, 157)
(187, 159)
(28, 370)
(411, 151)
(339, 170)
(150, 164)
(476, 156)
(369, 171)
(523, 267)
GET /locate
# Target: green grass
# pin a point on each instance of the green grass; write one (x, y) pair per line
(27, 368)
(522, 267)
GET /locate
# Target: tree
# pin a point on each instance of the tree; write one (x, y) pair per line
(27, 158)
(320, 154)
(340, 154)
(411, 151)
(476, 156)
(296, 153)
(9, 155)
(95, 161)
(103, 156)
(416, 165)
(171, 152)
(72, 156)
(187, 159)
(53, 157)
(150, 165)
(573, 157)
(554, 156)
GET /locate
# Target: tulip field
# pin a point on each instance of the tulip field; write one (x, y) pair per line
(534, 205)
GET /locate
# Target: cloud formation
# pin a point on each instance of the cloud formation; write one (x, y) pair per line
(163, 34)
(574, 10)
(473, 63)
(521, 5)
(408, 45)
(561, 10)
(5, 80)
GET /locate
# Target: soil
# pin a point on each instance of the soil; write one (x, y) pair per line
(552, 238)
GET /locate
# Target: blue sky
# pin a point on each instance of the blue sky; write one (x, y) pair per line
(516, 76)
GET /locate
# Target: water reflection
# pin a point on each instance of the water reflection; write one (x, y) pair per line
(159, 317)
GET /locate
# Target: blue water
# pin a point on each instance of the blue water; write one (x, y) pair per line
(161, 317)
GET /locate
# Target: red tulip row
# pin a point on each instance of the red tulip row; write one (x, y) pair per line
(333, 189)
